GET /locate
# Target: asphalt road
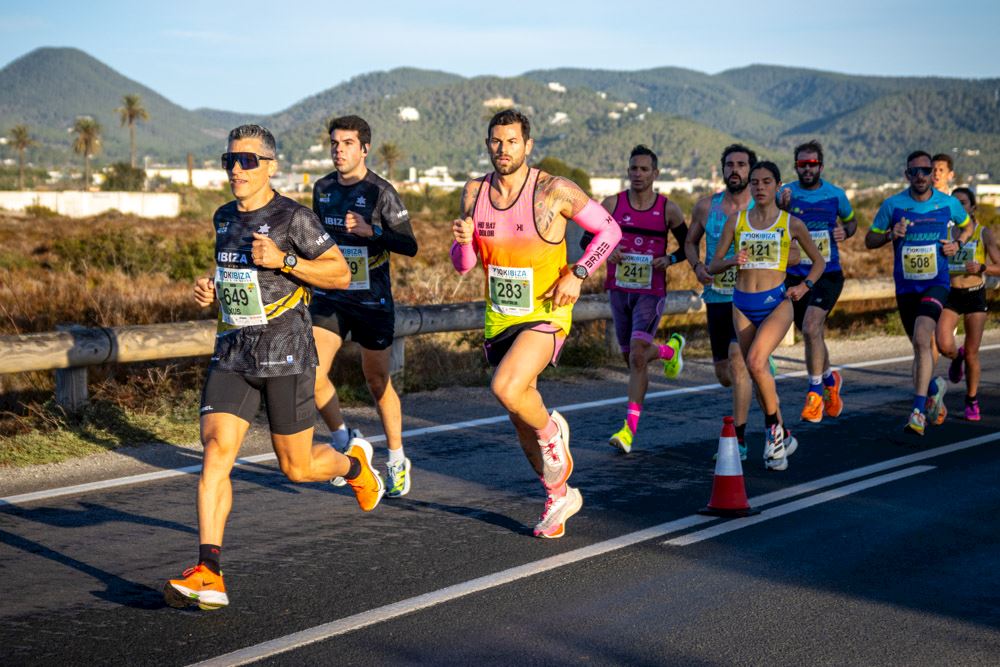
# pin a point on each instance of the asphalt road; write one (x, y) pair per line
(873, 547)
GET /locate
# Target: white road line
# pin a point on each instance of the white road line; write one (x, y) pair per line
(794, 506)
(412, 433)
(397, 609)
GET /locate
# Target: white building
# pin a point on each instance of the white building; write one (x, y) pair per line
(988, 193)
(408, 114)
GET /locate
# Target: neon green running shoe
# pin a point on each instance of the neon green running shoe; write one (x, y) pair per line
(672, 367)
(622, 439)
(772, 365)
(397, 478)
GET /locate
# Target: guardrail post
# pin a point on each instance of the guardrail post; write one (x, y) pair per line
(397, 361)
(611, 339)
(71, 383)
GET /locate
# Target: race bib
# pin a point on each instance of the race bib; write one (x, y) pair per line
(634, 271)
(920, 262)
(763, 249)
(966, 253)
(511, 290)
(357, 260)
(239, 296)
(822, 241)
(725, 282)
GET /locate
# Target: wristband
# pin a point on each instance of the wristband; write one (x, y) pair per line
(673, 258)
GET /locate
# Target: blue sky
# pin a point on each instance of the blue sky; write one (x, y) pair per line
(205, 54)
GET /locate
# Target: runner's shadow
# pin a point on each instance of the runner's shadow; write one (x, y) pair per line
(486, 516)
(89, 514)
(118, 590)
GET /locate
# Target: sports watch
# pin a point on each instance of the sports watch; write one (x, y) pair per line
(580, 271)
(289, 262)
(376, 232)
(808, 283)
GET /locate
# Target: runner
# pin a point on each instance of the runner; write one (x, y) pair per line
(368, 220)
(514, 219)
(637, 282)
(916, 221)
(707, 219)
(761, 312)
(977, 256)
(943, 173)
(269, 251)
(818, 204)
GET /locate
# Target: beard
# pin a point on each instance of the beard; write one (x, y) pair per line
(739, 186)
(809, 180)
(510, 168)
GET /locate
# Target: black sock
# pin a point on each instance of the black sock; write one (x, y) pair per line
(209, 555)
(771, 420)
(741, 433)
(354, 470)
(969, 400)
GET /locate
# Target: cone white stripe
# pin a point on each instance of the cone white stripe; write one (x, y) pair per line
(728, 462)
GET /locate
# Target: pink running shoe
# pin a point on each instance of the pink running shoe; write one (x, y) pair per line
(552, 523)
(956, 371)
(972, 411)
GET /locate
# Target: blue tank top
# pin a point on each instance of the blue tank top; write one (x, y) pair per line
(720, 290)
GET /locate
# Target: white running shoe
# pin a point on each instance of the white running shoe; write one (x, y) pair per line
(352, 434)
(775, 452)
(552, 523)
(397, 478)
(557, 462)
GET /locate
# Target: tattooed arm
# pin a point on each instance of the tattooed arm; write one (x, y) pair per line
(463, 251)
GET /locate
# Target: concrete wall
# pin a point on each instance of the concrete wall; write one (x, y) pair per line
(84, 204)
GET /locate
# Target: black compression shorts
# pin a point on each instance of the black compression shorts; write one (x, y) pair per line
(291, 407)
(928, 303)
(371, 328)
(824, 294)
(721, 331)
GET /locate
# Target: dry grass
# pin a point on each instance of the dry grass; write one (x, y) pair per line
(116, 270)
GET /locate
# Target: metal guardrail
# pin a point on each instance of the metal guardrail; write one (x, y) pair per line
(70, 350)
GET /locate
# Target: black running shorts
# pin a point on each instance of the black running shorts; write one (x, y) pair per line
(289, 399)
(371, 328)
(824, 294)
(928, 303)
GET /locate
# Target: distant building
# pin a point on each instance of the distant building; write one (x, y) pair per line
(408, 114)
(499, 102)
(211, 179)
(988, 193)
(557, 87)
(559, 118)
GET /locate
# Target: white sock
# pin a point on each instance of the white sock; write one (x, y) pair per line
(396, 455)
(339, 437)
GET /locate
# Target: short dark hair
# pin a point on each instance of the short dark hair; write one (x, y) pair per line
(944, 157)
(967, 192)
(811, 146)
(643, 150)
(509, 117)
(770, 166)
(915, 154)
(251, 131)
(738, 148)
(356, 123)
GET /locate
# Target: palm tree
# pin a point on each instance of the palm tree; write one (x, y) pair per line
(389, 154)
(87, 143)
(22, 141)
(130, 112)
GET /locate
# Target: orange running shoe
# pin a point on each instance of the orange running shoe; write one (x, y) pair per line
(368, 486)
(831, 396)
(942, 413)
(197, 586)
(813, 411)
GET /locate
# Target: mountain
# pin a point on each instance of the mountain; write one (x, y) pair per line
(590, 119)
(49, 88)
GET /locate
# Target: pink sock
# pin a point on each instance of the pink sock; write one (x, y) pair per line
(545, 434)
(666, 352)
(557, 492)
(632, 416)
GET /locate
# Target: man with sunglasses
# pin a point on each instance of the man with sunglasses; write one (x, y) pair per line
(269, 251)
(917, 222)
(366, 216)
(830, 220)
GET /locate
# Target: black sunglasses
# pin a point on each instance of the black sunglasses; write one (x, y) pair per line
(247, 160)
(923, 171)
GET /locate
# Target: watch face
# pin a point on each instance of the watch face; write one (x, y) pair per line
(291, 260)
(580, 272)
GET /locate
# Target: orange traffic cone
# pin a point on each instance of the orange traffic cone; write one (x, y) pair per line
(729, 495)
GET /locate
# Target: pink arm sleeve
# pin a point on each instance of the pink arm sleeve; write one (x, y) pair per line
(594, 219)
(463, 257)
